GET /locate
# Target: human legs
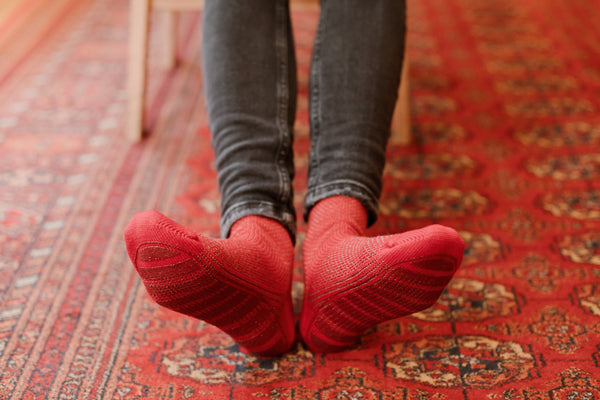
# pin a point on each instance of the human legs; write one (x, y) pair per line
(353, 282)
(354, 79)
(240, 284)
(249, 70)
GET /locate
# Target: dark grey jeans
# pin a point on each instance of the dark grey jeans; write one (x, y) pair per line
(250, 88)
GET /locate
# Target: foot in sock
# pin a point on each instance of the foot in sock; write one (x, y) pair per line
(240, 284)
(353, 283)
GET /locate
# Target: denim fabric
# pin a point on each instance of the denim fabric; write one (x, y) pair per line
(355, 73)
(250, 88)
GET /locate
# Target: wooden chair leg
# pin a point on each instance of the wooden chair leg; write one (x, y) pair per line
(169, 36)
(401, 125)
(136, 73)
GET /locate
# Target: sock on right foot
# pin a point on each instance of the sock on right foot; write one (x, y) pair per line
(240, 284)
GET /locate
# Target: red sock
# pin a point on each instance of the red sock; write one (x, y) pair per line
(353, 283)
(240, 284)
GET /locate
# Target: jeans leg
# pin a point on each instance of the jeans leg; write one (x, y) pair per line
(249, 69)
(355, 74)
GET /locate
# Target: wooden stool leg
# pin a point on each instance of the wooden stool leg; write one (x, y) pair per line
(401, 125)
(136, 73)
(169, 36)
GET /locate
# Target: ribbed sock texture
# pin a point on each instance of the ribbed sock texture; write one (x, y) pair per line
(240, 284)
(353, 283)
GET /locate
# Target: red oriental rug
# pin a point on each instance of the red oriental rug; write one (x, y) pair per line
(506, 139)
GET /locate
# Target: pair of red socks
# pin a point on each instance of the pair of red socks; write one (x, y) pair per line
(242, 284)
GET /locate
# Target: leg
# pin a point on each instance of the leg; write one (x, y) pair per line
(354, 84)
(169, 37)
(136, 73)
(401, 126)
(352, 282)
(250, 87)
(240, 284)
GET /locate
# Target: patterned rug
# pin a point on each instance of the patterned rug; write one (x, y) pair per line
(506, 138)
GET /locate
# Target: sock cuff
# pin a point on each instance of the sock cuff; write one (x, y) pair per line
(339, 209)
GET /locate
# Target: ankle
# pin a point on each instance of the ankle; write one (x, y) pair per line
(337, 214)
(259, 228)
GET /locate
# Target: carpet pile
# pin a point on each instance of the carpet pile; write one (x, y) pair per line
(505, 149)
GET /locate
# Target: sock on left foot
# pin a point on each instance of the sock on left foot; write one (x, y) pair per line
(353, 283)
